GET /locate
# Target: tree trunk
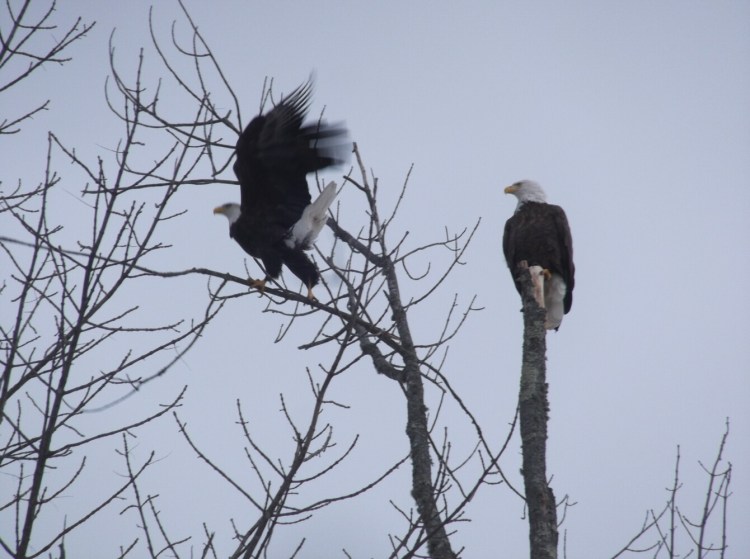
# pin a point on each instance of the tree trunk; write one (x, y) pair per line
(533, 408)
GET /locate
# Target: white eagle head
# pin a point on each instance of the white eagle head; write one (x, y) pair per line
(229, 210)
(527, 191)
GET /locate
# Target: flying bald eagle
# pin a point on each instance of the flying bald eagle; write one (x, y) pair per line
(275, 220)
(538, 233)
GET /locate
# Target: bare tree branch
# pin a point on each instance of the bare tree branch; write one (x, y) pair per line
(21, 53)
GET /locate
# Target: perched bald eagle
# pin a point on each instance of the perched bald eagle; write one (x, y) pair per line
(538, 233)
(275, 220)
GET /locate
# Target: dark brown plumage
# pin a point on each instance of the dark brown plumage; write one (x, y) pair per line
(539, 233)
(275, 153)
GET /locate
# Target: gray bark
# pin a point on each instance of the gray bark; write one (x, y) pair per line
(533, 408)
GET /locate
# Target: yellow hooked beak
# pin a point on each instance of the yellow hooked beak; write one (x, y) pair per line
(511, 189)
(218, 210)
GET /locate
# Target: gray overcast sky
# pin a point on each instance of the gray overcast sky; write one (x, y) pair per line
(633, 116)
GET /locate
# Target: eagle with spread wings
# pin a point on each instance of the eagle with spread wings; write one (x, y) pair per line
(276, 220)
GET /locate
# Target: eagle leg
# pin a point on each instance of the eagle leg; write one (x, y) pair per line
(310, 295)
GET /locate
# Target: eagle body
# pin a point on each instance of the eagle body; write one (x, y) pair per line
(539, 234)
(276, 220)
(264, 240)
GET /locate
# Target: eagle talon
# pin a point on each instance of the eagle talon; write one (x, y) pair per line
(260, 285)
(310, 295)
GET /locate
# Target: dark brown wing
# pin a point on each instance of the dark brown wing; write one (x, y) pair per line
(567, 268)
(275, 153)
(509, 244)
(539, 233)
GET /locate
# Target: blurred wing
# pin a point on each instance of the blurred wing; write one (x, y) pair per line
(275, 153)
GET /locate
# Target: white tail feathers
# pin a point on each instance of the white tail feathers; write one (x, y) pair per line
(306, 230)
(554, 295)
(554, 289)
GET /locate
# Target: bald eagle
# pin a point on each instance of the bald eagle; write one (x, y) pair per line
(538, 233)
(275, 220)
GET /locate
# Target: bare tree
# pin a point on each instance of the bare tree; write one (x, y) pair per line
(365, 315)
(70, 291)
(653, 537)
(62, 344)
(68, 317)
(79, 280)
(670, 532)
(23, 51)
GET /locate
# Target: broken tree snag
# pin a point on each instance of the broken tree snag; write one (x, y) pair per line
(533, 407)
(536, 275)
